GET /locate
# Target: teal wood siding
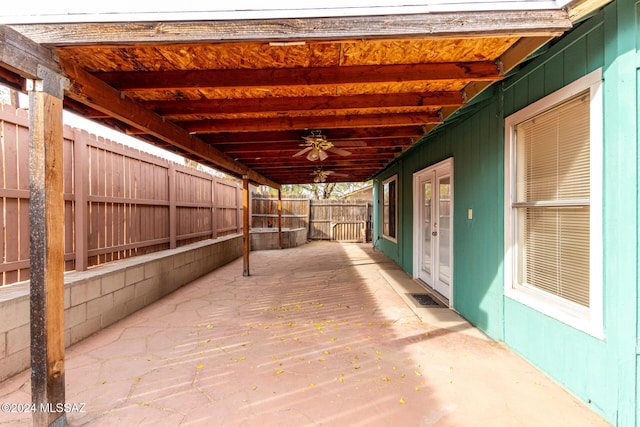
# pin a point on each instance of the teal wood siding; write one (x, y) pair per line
(637, 246)
(601, 372)
(475, 145)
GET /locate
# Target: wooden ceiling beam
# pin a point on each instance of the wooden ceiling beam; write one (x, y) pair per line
(278, 147)
(11, 79)
(412, 131)
(442, 24)
(287, 157)
(305, 103)
(304, 123)
(328, 166)
(94, 93)
(342, 165)
(297, 178)
(277, 77)
(22, 56)
(522, 49)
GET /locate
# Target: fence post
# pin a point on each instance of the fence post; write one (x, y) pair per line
(214, 204)
(239, 204)
(171, 182)
(364, 223)
(81, 174)
(331, 224)
(308, 218)
(279, 218)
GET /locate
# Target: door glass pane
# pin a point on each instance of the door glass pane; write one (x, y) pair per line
(444, 229)
(426, 214)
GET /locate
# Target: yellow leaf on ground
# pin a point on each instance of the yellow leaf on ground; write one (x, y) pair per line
(402, 401)
(199, 366)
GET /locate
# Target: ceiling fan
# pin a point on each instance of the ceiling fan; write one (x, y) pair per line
(321, 175)
(316, 145)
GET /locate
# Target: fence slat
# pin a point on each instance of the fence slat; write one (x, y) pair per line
(340, 220)
(117, 201)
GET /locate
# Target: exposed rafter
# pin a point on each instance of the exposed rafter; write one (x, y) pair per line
(355, 74)
(241, 95)
(98, 95)
(307, 103)
(363, 120)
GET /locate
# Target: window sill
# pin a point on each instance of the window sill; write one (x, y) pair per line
(574, 315)
(391, 239)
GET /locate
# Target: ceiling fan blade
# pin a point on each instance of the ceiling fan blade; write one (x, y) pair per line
(349, 143)
(301, 152)
(340, 151)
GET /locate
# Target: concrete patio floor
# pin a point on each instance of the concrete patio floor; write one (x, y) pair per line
(320, 335)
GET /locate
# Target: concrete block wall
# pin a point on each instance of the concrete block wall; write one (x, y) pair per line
(96, 298)
(267, 238)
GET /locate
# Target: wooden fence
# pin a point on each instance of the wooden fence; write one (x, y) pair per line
(338, 220)
(119, 202)
(264, 212)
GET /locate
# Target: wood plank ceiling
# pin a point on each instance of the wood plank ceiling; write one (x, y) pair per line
(249, 95)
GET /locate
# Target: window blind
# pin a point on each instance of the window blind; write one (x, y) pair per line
(552, 200)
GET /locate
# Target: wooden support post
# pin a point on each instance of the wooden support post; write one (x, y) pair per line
(280, 218)
(172, 183)
(245, 223)
(46, 213)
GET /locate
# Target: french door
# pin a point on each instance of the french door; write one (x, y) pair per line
(433, 226)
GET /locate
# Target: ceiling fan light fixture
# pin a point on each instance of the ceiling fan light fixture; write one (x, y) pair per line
(315, 155)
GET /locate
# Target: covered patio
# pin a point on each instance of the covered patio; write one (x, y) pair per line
(323, 334)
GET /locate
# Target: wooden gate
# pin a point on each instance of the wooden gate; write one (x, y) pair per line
(340, 220)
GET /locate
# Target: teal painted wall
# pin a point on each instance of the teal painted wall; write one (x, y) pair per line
(474, 142)
(600, 372)
(603, 373)
(637, 248)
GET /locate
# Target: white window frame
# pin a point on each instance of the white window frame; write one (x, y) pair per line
(395, 201)
(588, 320)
